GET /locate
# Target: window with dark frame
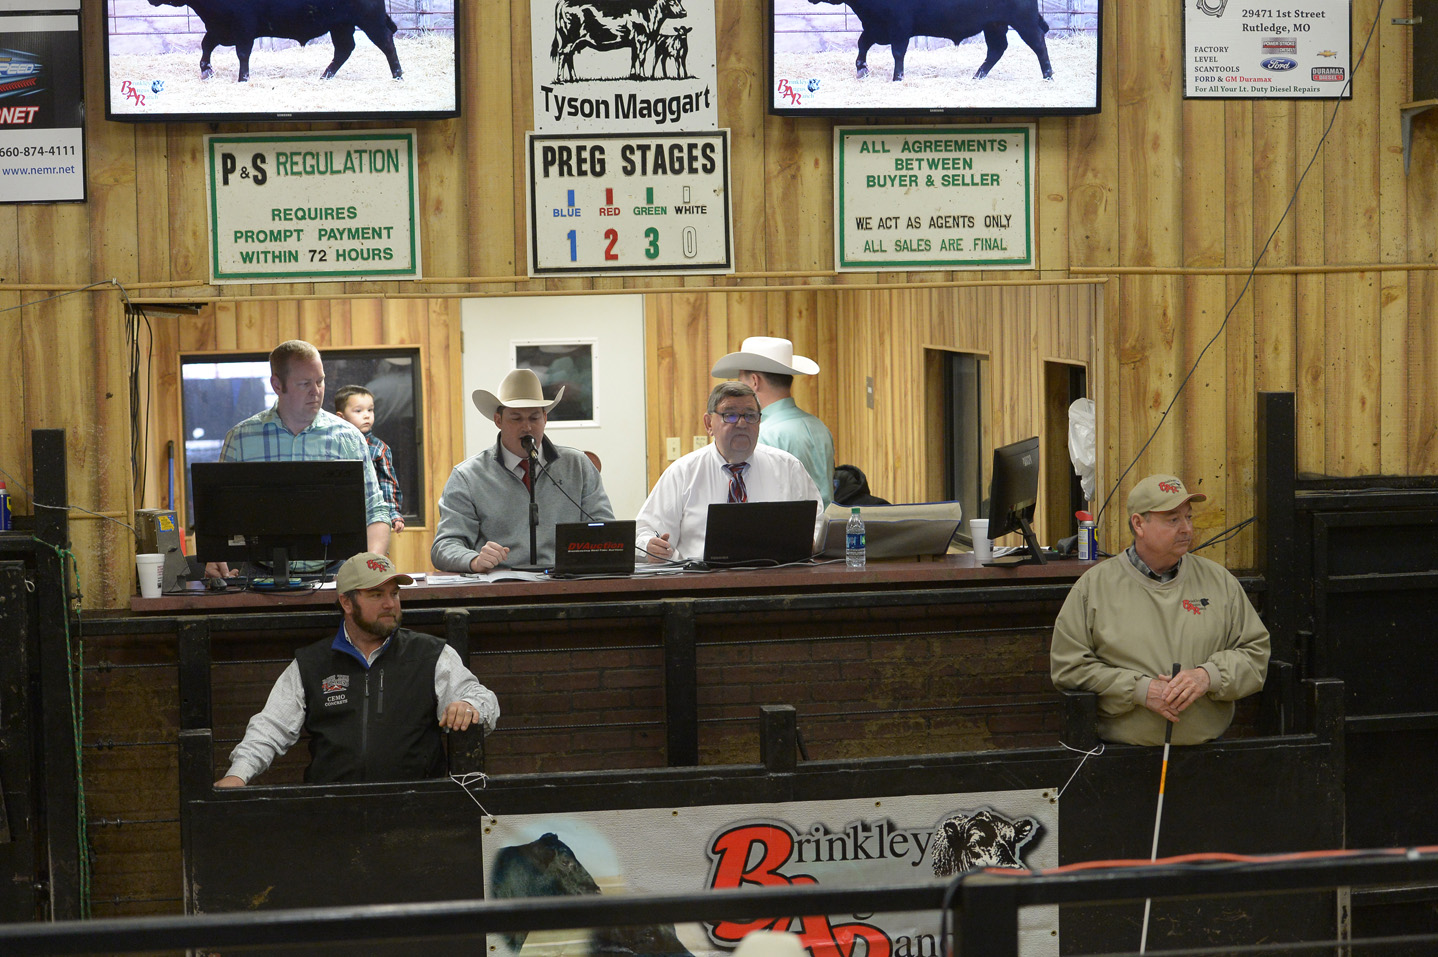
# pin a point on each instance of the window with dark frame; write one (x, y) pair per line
(218, 391)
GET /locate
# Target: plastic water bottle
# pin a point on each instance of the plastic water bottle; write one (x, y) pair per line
(855, 549)
(4, 508)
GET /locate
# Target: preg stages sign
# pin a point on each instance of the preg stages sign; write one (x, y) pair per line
(312, 207)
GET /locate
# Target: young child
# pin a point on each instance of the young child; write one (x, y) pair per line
(355, 404)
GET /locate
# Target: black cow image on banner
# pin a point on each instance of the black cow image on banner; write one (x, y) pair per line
(547, 867)
(610, 25)
(981, 839)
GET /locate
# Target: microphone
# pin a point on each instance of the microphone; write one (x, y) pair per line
(527, 441)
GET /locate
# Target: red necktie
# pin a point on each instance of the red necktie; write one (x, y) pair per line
(524, 466)
(737, 491)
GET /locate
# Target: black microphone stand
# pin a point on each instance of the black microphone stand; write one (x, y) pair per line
(529, 445)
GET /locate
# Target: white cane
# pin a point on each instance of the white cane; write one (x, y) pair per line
(1157, 822)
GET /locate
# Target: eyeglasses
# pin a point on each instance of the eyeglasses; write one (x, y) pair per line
(732, 417)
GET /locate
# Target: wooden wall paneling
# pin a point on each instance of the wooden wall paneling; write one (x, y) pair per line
(188, 220)
(1273, 295)
(1422, 345)
(1140, 370)
(112, 254)
(489, 180)
(1238, 403)
(72, 388)
(519, 119)
(1209, 130)
(1351, 235)
(799, 193)
(16, 369)
(862, 313)
(444, 219)
(1150, 135)
(831, 342)
(1394, 79)
(743, 102)
(1309, 214)
(658, 381)
(1092, 165)
(1051, 196)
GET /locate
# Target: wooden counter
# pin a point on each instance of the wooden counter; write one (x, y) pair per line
(952, 571)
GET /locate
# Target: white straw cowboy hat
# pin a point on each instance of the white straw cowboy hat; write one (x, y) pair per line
(519, 390)
(764, 354)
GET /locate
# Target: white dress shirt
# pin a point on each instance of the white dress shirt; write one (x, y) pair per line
(679, 503)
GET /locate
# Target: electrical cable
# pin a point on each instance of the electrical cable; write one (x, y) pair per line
(1253, 270)
(1227, 533)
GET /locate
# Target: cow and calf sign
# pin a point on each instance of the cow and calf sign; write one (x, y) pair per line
(609, 25)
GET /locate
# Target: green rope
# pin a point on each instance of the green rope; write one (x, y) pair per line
(75, 655)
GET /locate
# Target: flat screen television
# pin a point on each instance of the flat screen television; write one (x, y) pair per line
(831, 58)
(1012, 498)
(287, 516)
(153, 68)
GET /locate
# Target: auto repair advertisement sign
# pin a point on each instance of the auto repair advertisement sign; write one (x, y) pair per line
(918, 839)
(1280, 49)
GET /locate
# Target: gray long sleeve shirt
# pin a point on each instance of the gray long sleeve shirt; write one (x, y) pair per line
(484, 501)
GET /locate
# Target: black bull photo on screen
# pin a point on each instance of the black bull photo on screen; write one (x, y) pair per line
(238, 23)
(895, 22)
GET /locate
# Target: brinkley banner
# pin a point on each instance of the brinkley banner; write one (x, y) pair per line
(846, 843)
(637, 66)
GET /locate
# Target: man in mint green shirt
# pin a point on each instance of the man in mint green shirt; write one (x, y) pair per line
(768, 366)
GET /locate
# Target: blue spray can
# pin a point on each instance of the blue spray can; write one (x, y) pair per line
(1087, 547)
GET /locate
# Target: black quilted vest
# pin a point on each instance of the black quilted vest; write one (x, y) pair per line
(375, 724)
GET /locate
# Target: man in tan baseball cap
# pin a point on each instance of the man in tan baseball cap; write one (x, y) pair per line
(1129, 620)
(373, 698)
(484, 509)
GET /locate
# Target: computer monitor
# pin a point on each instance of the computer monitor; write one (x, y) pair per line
(278, 513)
(1012, 497)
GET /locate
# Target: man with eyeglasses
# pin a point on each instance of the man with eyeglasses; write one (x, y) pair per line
(732, 468)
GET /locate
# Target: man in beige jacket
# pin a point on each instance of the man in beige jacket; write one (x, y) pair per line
(1130, 618)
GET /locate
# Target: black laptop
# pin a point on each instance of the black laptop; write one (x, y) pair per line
(593, 548)
(760, 533)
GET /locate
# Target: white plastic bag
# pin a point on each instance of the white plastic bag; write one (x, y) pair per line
(1083, 443)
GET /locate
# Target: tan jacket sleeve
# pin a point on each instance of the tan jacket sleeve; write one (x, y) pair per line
(1075, 666)
(1243, 665)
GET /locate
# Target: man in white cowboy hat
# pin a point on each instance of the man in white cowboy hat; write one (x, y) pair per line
(768, 366)
(373, 698)
(1129, 619)
(673, 522)
(484, 510)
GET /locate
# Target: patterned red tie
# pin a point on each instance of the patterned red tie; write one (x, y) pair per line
(737, 491)
(524, 467)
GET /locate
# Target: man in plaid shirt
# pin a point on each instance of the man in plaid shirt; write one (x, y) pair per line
(355, 404)
(298, 428)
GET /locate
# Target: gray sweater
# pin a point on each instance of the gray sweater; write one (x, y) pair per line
(484, 501)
